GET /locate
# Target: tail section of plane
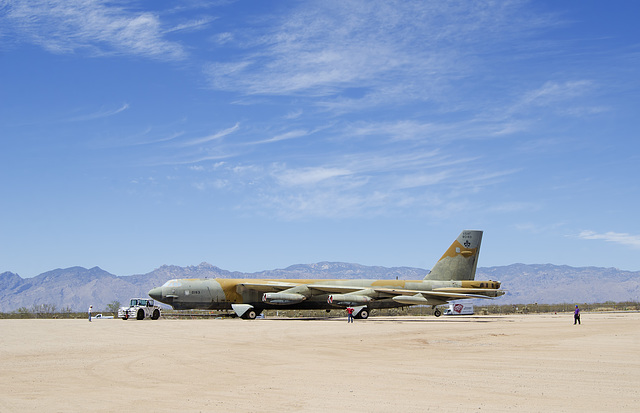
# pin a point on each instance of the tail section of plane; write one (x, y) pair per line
(461, 259)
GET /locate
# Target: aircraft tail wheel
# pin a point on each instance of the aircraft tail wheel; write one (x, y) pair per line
(437, 313)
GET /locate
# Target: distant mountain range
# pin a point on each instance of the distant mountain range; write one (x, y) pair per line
(76, 288)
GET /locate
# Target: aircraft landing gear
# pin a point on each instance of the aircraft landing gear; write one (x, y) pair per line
(363, 314)
(250, 315)
(437, 313)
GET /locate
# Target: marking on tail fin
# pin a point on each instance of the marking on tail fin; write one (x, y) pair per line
(459, 260)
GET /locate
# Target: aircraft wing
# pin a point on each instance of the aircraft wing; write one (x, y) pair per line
(377, 293)
(335, 288)
(443, 293)
(281, 286)
(266, 287)
(465, 290)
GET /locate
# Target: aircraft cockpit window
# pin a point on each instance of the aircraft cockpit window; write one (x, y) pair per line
(172, 283)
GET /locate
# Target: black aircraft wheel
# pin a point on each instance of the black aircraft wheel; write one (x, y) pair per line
(156, 315)
(437, 313)
(250, 315)
(140, 314)
(363, 314)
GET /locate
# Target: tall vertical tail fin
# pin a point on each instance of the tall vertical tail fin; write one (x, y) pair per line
(461, 259)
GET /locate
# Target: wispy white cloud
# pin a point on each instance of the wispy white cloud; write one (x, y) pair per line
(309, 176)
(417, 180)
(193, 25)
(99, 27)
(222, 38)
(625, 239)
(168, 138)
(531, 227)
(190, 159)
(102, 113)
(565, 98)
(294, 114)
(360, 184)
(436, 133)
(324, 204)
(294, 134)
(400, 130)
(144, 138)
(407, 50)
(509, 207)
(214, 137)
(552, 92)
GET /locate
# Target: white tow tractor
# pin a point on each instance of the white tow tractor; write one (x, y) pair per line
(139, 308)
(459, 309)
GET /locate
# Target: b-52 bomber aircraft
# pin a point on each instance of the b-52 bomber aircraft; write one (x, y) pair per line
(452, 278)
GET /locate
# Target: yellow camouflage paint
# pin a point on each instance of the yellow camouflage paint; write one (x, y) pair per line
(451, 278)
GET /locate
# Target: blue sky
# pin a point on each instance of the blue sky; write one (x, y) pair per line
(255, 135)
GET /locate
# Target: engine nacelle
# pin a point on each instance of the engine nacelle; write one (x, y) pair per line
(283, 298)
(348, 299)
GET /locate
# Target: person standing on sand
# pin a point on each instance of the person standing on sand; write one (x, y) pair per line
(90, 310)
(576, 315)
(349, 315)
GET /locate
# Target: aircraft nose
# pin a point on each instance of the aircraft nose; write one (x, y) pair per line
(156, 293)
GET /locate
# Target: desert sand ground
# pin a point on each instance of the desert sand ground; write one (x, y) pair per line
(523, 363)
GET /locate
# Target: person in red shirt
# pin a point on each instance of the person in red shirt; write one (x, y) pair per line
(349, 315)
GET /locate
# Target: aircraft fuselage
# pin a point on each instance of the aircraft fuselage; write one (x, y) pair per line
(221, 293)
(452, 278)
